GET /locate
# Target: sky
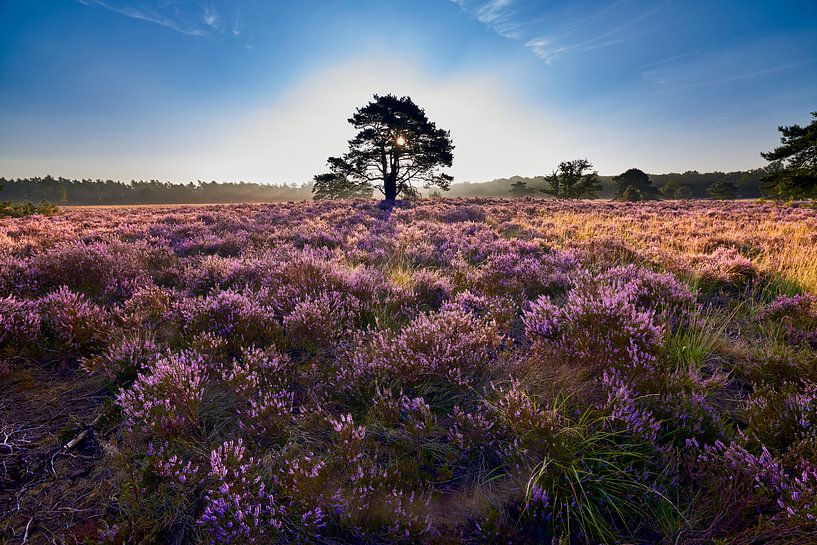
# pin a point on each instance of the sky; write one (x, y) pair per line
(260, 90)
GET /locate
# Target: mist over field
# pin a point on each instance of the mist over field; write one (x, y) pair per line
(434, 272)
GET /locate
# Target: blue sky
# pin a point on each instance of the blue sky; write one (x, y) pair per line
(260, 90)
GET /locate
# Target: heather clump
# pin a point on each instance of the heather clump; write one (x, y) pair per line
(796, 314)
(165, 399)
(446, 371)
(451, 347)
(238, 318)
(71, 323)
(597, 326)
(524, 276)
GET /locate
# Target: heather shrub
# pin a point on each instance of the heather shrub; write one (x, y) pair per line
(448, 371)
(124, 359)
(598, 326)
(19, 323)
(239, 318)
(316, 322)
(71, 322)
(238, 506)
(524, 276)
(151, 308)
(452, 346)
(210, 273)
(103, 271)
(430, 290)
(260, 381)
(464, 213)
(524, 427)
(500, 310)
(166, 397)
(738, 483)
(723, 267)
(796, 314)
(661, 292)
(781, 417)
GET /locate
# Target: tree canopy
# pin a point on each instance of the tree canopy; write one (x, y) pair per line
(795, 176)
(336, 186)
(723, 189)
(520, 189)
(571, 180)
(396, 145)
(634, 185)
(674, 190)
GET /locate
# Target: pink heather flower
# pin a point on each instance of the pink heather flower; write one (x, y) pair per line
(597, 326)
(19, 321)
(238, 508)
(166, 397)
(71, 319)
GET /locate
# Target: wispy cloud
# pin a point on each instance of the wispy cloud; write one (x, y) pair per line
(554, 30)
(186, 17)
(211, 18)
(548, 49)
(756, 60)
(498, 15)
(731, 78)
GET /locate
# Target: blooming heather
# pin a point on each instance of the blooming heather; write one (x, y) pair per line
(458, 371)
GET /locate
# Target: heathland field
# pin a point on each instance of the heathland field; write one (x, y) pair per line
(449, 371)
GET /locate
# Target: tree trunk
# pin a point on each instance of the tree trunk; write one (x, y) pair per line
(390, 188)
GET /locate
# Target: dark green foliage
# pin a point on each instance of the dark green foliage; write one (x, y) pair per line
(673, 190)
(335, 186)
(521, 189)
(18, 210)
(395, 145)
(573, 181)
(794, 169)
(91, 192)
(634, 185)
(723, 189)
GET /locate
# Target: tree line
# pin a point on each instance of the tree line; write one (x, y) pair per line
(397, 146)
(64, 191)
(634, 185)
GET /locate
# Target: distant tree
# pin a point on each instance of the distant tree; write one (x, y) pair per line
(630, 194)
(795, 177)
(520, 189)
(723, 189)
(670, 189)
(674, 190)
(395, 145)
(572, 181)
(336, 186)
(634, 185)
(683, 192)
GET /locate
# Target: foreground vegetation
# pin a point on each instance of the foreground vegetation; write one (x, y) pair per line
(450, 371)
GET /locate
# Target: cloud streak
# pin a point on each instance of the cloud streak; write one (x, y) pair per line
(556, 30)
(185, 17)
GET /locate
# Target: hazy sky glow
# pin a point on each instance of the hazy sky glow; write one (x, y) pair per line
(260, 91)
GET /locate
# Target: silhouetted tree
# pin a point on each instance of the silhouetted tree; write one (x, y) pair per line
(395, 145)
(634, 185)
(336, 186)
(795, 175)
(723, 189)
(520, 189)
(571, 181)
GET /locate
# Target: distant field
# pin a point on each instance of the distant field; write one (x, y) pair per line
(452, 371)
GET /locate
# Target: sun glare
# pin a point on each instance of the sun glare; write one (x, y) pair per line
(400, 141)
